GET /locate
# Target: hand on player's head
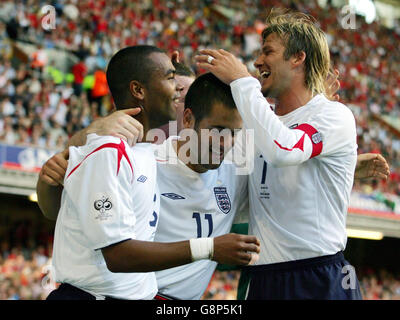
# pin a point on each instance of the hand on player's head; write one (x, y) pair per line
(119, 124)
(224, 65)
(53, 171)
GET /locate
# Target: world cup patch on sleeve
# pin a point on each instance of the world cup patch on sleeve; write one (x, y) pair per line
(102, 208)
(222, 197)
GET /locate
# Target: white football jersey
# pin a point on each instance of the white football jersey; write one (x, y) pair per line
(194, 205)
(303, 174)
(109, 196)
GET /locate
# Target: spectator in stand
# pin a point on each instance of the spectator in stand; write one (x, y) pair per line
(100, 90)
(79, 71)
(39, 58)
(223, 286)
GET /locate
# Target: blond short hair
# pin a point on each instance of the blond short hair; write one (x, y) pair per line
(299, 32)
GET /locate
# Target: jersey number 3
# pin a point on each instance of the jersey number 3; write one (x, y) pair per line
(153, 223)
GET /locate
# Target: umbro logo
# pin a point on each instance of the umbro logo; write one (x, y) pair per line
(173, 196)
(142, 179)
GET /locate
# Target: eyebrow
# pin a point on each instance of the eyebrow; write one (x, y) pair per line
(173, 71)
(267, 47)
(219, 128)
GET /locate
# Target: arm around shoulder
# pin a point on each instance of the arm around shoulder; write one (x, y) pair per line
(50, 184)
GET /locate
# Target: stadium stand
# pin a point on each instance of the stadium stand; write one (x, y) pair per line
(44, 99)
(45, 107)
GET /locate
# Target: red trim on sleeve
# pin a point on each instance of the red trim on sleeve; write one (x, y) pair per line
(158, 297)
(299, 144)
(315, 138)
(121, 153)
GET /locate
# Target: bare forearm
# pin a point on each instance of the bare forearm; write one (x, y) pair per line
(49, 199)
(144, 256)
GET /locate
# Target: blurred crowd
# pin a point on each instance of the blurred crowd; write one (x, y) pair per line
(379, 284)
(24, 274)
(223, 286)
(42, 105)
(25, 248)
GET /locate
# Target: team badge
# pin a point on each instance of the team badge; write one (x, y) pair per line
(316, 138)
(103, 206)
(222, 197)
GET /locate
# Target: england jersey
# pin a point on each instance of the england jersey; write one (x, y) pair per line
(109, 196)
(194, 205)
(303, 174)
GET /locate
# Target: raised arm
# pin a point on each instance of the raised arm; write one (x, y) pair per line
(280, 145)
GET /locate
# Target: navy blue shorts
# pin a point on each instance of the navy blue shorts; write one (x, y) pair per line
(321, 278)
(68, 292)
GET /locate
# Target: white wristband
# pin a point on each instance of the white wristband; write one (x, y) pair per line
(202, 248)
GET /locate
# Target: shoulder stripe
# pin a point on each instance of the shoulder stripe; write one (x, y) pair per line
(121, 153)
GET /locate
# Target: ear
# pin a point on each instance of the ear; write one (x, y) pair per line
(298, 58)
(175, 56)
(137, 90)
(188, 119)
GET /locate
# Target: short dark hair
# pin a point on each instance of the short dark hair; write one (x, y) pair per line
(204, 92)
(183, 70)
(130, 63)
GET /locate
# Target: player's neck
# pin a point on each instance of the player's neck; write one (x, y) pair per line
(143, 119)
(291, 99)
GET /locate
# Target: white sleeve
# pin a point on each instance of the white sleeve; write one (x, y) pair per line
(101, 188)
(242, 213)
(337, 128)
(280, 145)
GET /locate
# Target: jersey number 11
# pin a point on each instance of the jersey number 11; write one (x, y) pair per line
(208, 217)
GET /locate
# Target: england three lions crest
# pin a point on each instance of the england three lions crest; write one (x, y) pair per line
(222, 197)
